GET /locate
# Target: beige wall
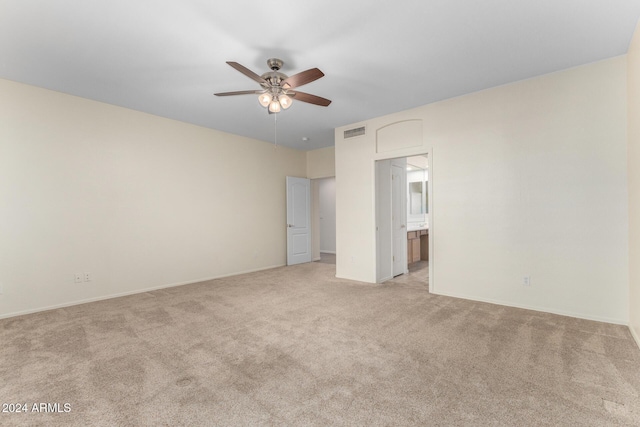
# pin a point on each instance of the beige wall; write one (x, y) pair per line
(527, 179)
(321, 163)
(633, 79)
(138, 201)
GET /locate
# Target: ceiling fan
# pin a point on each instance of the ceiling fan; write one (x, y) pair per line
(277, 89)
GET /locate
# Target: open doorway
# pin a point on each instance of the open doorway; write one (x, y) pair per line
(418, 216)
(403, 219)
(324, 219)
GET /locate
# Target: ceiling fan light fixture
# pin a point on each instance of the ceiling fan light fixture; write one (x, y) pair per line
(285, 101)
(265, 99)
(274, 106)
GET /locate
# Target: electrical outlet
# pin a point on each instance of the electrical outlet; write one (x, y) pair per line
(78, 277)
(526, 281)
(87, 277)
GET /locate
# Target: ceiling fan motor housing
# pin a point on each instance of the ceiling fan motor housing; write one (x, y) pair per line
(274, 77)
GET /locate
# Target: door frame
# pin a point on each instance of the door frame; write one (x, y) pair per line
(430, 216)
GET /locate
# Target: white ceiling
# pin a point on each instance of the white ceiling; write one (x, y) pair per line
(167, 57)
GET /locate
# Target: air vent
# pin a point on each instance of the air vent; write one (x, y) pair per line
(354, 132)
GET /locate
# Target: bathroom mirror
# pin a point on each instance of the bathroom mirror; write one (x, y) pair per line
(417, 193)
(416, 198)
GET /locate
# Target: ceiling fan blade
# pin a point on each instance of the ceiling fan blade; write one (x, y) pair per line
(302, 78)
(311, 99)
(240, 92)
(247, 72)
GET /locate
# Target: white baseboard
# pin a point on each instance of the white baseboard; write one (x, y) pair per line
(316, 259)
(137, 291)
(635, 336)
(540, 309)
(327, 252)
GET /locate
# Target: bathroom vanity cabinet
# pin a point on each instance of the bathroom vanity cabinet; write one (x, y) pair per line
(417, 245)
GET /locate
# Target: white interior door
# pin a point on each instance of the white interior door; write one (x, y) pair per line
(399, 215)
(391, 218)
(298, 220)
(384, 241)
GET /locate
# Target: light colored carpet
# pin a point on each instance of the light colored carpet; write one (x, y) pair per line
(296, 346)
(327, 258)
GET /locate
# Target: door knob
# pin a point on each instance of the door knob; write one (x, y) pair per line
(290, 225)
(402, 226)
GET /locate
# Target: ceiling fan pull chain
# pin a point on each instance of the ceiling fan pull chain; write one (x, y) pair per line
(275, 130)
